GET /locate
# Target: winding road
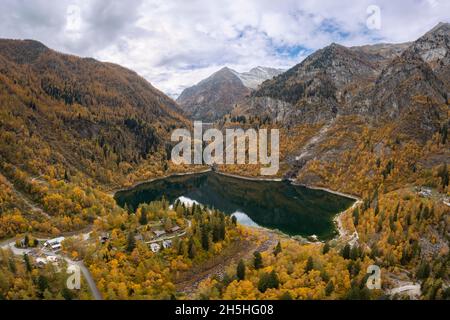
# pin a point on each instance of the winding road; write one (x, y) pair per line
(88, 277)
(10, 245)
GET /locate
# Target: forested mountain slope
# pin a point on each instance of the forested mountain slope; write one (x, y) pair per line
(79, 115)
(70, 127)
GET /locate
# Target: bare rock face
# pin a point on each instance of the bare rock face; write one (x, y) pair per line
(319, 87)
(216, 96)
(405, 79)
(382, 54)
(413, 89)
(255, 77)
(434, 49)
(421, 71)
(213, 97)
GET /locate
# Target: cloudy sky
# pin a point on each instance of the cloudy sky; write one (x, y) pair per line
(176, 43)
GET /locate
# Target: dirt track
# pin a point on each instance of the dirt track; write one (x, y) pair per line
(188, 282)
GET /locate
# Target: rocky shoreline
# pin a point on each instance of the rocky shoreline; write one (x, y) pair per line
(248, 178)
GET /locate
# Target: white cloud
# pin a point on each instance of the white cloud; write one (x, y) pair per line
(176, 43)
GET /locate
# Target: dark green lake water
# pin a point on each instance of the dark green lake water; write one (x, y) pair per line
(294, 210)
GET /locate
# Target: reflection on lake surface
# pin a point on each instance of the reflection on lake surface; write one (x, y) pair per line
(291, 209)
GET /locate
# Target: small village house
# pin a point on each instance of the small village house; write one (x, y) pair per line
(155, 247)
(167, 244)
(54, 244)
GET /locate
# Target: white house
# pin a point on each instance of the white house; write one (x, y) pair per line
(155, 247)
(159, 233)
(167, 244)
(52, 259)
(425, 192)
(54, 244)
(41, 262)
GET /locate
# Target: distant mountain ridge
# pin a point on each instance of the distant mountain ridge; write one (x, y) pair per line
(373, 81)
(214, 97)
(256, 76)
